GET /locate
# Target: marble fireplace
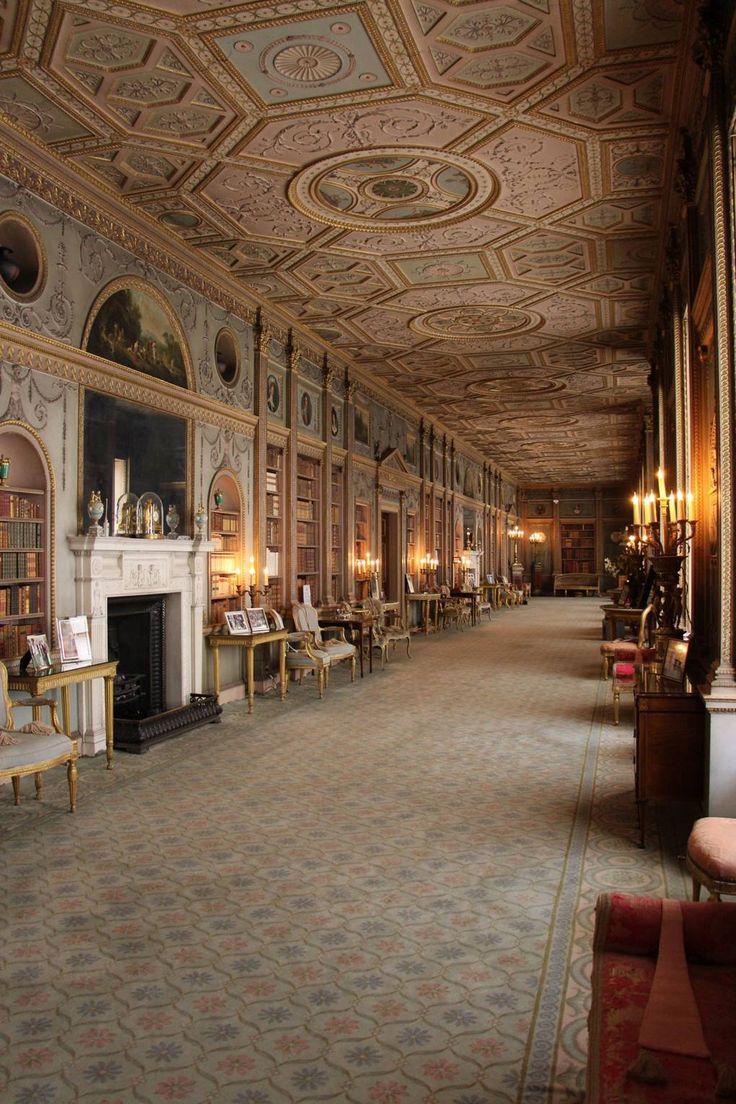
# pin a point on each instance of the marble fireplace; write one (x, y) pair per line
(120, 567)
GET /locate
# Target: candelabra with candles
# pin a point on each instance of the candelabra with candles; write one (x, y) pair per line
(428, 568)
(251, 588)
(536, 540)
(663, 535)
(517, 569)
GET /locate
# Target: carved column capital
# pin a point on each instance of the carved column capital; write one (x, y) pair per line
(350, 388)
(263, 337)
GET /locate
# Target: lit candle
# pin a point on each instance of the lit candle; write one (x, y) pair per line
(689, 510)
(265, 576)
(680, 506)
(660, 481)
(637, 510)
(252, 569)
(672, 506)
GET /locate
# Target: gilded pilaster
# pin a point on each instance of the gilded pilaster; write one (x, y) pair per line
(291, 591)
(261, 341)
(328, 376)
(348, 493)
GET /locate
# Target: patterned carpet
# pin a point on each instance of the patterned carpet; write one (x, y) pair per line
(383, 898)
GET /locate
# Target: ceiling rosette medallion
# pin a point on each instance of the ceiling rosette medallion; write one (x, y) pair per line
(393, 188)
(470, 323)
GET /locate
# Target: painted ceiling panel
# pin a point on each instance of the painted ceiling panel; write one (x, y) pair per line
(466, 199)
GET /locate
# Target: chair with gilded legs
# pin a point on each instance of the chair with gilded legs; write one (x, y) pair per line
(628, 647)
(328, 639)
(385, 633)
(34, 748)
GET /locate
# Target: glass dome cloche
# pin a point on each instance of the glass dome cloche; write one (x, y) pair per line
(150, 517)
(126, 521)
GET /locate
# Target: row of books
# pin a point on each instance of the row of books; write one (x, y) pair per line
(305, 488)
(14, 638)
(19, 599)
(272, 482)
(305, 510)
(577, 565)
(224, 523)
(273, 532)
(306, 468)
(224, 543)
(273, 506)
(20, 534)
(20, 565)
(306, 532)
(18, 506)
(306, 559)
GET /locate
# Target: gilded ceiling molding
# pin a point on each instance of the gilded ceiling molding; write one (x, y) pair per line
(43, 354)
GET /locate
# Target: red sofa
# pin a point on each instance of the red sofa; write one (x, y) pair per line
(625, 948)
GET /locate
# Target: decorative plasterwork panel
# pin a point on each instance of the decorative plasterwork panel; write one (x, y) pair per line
(306, 59)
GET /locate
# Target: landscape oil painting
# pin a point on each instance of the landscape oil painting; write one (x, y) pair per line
(133, 327)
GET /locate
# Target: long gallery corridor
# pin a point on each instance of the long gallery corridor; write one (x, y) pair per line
(384, 897)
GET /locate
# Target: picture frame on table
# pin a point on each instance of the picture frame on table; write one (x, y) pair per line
(374, 588)
(38, 646)
(74, 643)
(306, 594)
(237, 622)
(409, 584)
(675, 660)
(258, 620)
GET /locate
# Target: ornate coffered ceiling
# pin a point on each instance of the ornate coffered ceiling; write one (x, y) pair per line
(467, 200)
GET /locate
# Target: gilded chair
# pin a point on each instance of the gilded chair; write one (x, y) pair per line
(303, 655)
(391, 633)
(454, 610)
(627, 647)
(484, 604)
(329, 639)
(628, 673)
(379, 639)
(35, 747)
(509, 595)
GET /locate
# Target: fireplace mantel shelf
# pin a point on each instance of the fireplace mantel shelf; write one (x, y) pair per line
(89, 542)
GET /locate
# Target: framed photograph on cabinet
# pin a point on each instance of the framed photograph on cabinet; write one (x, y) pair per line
(675, 658)
(258, 620)
(237, 622)
(73, 637)
(38, 646)
(409, 584)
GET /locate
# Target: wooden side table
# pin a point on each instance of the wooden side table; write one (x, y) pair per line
(248, 641)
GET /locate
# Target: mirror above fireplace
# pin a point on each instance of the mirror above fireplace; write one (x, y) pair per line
(132, 449)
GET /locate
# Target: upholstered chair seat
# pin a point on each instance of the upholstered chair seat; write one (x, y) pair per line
(627, 672)
(330, 640)
(625, 648)
(711, 856)
(34, 748)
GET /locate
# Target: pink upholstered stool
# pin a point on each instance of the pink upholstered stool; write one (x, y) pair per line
(711, 856)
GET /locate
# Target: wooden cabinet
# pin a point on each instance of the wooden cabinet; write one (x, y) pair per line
(23, 566)
(336, 517)
(226, 533)
(670, 748)
(577, 542)
(274, 523)
(307, 524)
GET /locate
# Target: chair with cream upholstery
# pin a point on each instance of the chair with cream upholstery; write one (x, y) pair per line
(35, 747)
(303, 655)
(329, 639)
(484, 604)
(627, 647)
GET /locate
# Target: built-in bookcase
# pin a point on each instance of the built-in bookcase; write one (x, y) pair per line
(275, 523)
(578, 546)
(307, 524)
(226, 533)
(362, 539)
(22, 568)
(336, 520)
(411, 545)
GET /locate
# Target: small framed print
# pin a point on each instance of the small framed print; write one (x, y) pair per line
(275, 620)
(73, 636)
(258, 620)
(237, 622)
(409, 584)
(38, 646)
(675, 658)
(306, 594)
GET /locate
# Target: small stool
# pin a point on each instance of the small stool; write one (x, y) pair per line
(711, 856)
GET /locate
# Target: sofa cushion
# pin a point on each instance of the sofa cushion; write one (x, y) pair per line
(712, 847)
